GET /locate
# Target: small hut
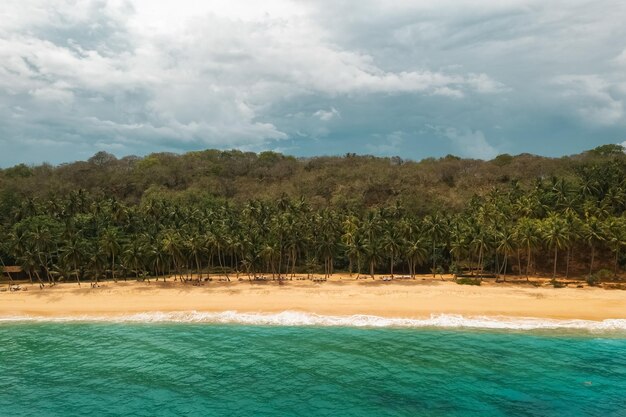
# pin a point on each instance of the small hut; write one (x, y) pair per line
(16, 272)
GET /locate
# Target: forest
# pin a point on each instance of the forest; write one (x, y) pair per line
(239, 213)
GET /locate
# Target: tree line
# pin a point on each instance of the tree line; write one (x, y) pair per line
(556, 226)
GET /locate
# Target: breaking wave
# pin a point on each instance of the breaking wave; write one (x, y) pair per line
(294, 318)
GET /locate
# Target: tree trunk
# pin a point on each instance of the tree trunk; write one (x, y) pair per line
(556, 252)
(480, 261)
(4, 268)
(77, 273)
(592, 256)
(113, 267)
(569, 250)
(434, 259)
(528, 264)
(198, 273)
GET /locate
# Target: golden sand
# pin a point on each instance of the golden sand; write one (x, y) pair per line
(341, 295)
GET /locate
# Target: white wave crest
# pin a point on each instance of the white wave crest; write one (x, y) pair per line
(294, 318)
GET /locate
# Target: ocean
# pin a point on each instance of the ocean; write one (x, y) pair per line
(298, 365)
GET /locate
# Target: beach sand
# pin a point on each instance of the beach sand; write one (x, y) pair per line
(340, 296)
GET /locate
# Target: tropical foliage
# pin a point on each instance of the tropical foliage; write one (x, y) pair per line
(571, 222)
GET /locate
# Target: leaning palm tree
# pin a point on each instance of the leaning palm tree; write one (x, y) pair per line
(195, 249)
(97, 264)
(269, 252)
(3, 267)
(74, 254)
(29, 263)
(416, 253)
(134, 256)
(173, 246)
(506, 246)
(41, 238)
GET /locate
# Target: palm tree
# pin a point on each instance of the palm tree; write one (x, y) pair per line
(555, 234)
(29, 263)
(134, 256)
(173, 246)
(527, 236)
(42, 240)
(416, 254)
(74, 254)
(110, 244)
(391, 243)
(269, 253)
(195, 247)
(3, 267)
(481, 242)
(615, 229)
(593, 235)
(435, 229)
(370, 243)
(349, 240)
(506, 246)
(97, 263)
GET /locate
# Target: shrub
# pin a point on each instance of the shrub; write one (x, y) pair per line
(468, 281)
(593, 280)
(598, 277)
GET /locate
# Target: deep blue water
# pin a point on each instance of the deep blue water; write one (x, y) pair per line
(111, 369)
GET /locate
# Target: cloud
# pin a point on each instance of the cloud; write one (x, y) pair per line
(593, 98)
(123, 71)
(138, 76)
(389, 145)
(469, 143)
(621, 59)
(326, 115)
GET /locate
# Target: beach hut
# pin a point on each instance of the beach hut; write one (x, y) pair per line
(17, 273)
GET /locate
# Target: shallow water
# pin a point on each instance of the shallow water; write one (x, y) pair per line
(205, 369)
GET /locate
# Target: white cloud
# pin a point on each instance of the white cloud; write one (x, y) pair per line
(205, 70)
(388, 145)
(593, 98)
(326, 115)
(621, 58)
(189, 74)
(468, 143)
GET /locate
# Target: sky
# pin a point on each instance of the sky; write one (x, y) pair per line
(416, 79)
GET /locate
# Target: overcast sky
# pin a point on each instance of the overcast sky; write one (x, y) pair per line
(473, 78)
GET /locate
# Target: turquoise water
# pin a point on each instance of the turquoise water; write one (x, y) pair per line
(111, 369)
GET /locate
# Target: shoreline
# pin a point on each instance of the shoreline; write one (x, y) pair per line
(341, 296)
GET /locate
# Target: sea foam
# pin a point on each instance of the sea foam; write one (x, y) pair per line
(295, 318)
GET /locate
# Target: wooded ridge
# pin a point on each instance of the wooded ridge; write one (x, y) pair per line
(241, 212)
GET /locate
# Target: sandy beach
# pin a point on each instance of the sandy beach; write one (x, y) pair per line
(339, 296)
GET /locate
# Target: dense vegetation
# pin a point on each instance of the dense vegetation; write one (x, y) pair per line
(235, 212)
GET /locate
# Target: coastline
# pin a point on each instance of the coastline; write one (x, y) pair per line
(340, 297)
